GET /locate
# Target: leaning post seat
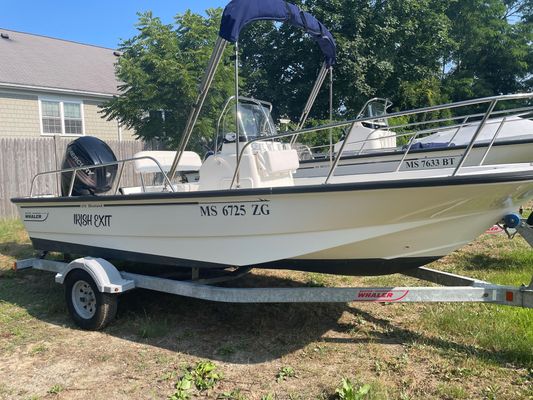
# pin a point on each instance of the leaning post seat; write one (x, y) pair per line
(144, 163)
(190, 161)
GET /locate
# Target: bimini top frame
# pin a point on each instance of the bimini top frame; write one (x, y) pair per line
(238, 14)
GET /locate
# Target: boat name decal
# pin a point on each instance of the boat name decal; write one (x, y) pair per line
(94, 205)
(381, 295)
(234, 210)
(96, 220)
(35, 216)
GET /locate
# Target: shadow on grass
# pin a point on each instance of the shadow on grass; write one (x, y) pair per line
(16, 250)
(238, 333)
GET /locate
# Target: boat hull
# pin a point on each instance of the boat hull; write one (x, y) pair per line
(365, 228)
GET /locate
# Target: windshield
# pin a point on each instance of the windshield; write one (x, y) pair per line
(255, 121)
(375, 107)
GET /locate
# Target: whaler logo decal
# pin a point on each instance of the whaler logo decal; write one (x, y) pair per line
(35, 216)
(380, 295)
(495, 229)
(96, 220)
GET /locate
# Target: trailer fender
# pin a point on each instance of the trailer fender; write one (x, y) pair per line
(104, 274)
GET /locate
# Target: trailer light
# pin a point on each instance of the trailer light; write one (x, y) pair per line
(509, 296)
(14, 266)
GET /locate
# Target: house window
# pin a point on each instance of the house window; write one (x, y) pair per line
(61, 117)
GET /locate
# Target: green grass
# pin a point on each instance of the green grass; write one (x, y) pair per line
(452, 391)
(56, 389)
(504, 262)
(25, 298)
(501, 333)
(14, 244)
(38, 349)
(152, 327)
(354, 390)
(226, 350)
(8, 228)
(506, 334)
(12, 236)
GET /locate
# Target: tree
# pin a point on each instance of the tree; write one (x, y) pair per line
(161, 68)
(382, 47)
(414, 52)
(493, 53)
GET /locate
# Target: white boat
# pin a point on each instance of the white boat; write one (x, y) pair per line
(248, 210)
(374, 146)
(364, 227)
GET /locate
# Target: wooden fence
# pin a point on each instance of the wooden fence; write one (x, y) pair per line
(22, 158)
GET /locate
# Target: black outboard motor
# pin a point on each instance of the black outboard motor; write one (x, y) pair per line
(88, 151)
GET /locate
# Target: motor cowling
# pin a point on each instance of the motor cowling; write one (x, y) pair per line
(88, 151)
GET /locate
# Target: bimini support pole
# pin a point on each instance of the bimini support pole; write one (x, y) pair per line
(214, 61)
(238, 155)
(330, 115)
(311, 100)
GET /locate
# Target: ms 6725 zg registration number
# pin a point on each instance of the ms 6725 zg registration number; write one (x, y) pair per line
(234, 209)
(430, 162)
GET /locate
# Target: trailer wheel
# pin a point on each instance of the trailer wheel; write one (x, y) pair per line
(89, 308)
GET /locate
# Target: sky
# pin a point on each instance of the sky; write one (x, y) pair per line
(97, 22)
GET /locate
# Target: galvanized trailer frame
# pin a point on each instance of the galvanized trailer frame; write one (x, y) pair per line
(456, 288)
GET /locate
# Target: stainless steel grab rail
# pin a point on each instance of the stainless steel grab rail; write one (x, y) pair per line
(491, 101)
(85, 167)
(465, 120)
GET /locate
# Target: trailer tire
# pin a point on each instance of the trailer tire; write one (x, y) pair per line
(89, 308)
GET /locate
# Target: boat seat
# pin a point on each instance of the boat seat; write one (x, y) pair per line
(190, 161)
(278, 162)
(178, 187)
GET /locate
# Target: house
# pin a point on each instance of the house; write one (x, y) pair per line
(53, 87)
(50, 93)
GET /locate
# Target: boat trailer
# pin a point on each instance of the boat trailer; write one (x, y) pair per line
(92, 286)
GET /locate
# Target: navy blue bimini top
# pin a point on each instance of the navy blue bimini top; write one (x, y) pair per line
(239, 13)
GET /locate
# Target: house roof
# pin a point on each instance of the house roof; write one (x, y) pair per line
(35, 61)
